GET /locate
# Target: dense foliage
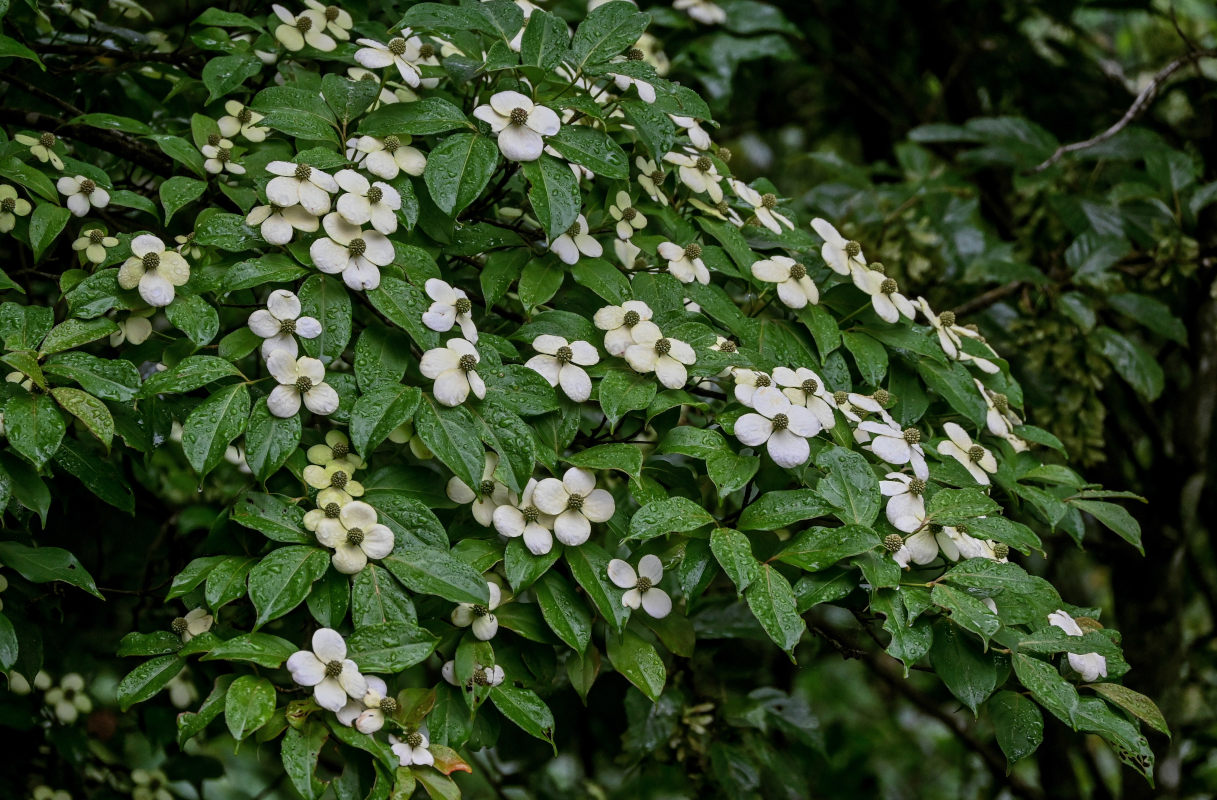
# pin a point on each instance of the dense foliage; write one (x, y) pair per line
(444, 377)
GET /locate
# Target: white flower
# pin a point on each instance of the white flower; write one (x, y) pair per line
(618, 323)
(720, 210)
(650, 178)
(485, 624)
(450, 307)
(69, 699)
(182, 693)
(355, 536)
(520, 125)
(308, 28)
(482, 676)
(704, 11)
(795, 289)
(780, 425)
(950, 337)
(1000, 419)
(196, 622)
(805, 388)
(698, 173)
(92, 241)
(685, 263)
(338, 23)
(12, 206)
(956, 544)
(42, 147)
(896, 446)
(523, 518)
(218, 155)
(412, 749)
(920, 548)
(853, 406)
(1091, 666)
(300, 184)
(906, 508)
(697, 135)
(82, 194)
(279, 320)
(299, 379)
(748, 382)
(959, 446)
(643, 586)
(276, 223)
(326, 668)
(575, 242)
(136, 329)
(453, 367)
(653, 352)
(355, 253)
(241, 120)
(763, 206)
(840, 255)
(335, 485)
(575, 502)
(155, 270)
(187, 246)
(889, 304)
(388, 157)
(489, 496)
(561, 363)
(629, 219)
(372, 703)
(365, 202)
(337, 447)
(652, 50)
(401, 52)
(628, 253)
(646, 92)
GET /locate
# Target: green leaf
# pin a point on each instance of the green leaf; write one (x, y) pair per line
(545, 40)
(967, 610)
(45, 224)
(227, 582)
(593, 149)
(451, 434)
(602, 278)
(269, 440)
(34, 426)
(910, 640)
(194, 317)
(326, 300)
(262, 649)
(818, 548)
(959, 506)
(46, 564)
(522, 567)
(187, 375)
(731, 472)
(181, 151)
(1134, 703)
(850, 485)
(178, 192)
(638, 662)
(330, 598)
(525, 709)
(605, 32)
(430, 570)
(554, 194)
(423, 117)
(301, 747)
(74, 332)
(99, 476)
(954, 384)
(390, 647)
(673, 515)
(192, 723)
(774, 510)
(403, 304)
(11, 48)
(563, 611)
(296, 112)
(1048, 687)
(622, 391)
(869, 355)
(226, 231)
(212, 426)
(29, 177)
(279, 520)
(92, 412)
(623, 457)
(733, 552)
(1018, 723)
(409, 519)
(249, 704)
(378, 412)
(772, 602)
(109, 379)
(224, 74)
(283, 578)
(1114, 517)
(157, 643)
(147, 679)
(1135, 364)
(376, 599)
(458, 169)
(970, 674)
(346, 97)
(589, 565)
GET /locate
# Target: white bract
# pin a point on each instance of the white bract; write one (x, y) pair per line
(450, 306)
(82, 194)
(135, 328)
(69, 700)
(155, 270)
(780, 425)
(887, 301)
(520, 125)
(453, 367)
(698, 173)
(372, 704)
(307, 28)
(575, 243)
(242, 120)
(276, 224)
(354, 253)
(642, 586)
(218, 156)
(388, 157)
(326, 668)
(92, 243)
(196, 622)
(42, 147)
(355, 536)
(747, 382)
(478, 616)
(12, 206)
(650, 178)
(300, 184)
(401, 52)
(951, 336)
(412, 749)
(1091, 666)
(482, 676)
(523, 518)
(575, 502)
(280, 322)
(335, 484)
(364, 202)
(906, 504)
(763, 206)
(696, 133)
(299, 379)
(841, 255)
(338, 23)
(805, 388)
(488, 496)
(685, 263)
(653, 352)
(1000, 419)
(795, 289)
(561, 364)
(896, 446)
(975, 458)
(618, 323)
(629, 219)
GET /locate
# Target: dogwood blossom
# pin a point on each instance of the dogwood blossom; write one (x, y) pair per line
(326, 668)
(618, 323)
(651, 178)
(307, 28)
(242, 120)
(642, 586)
(336, 447)
(82, 194)
(42, 147)
(12, 206)
(561, 364)
(569, 246)
(134, 328)
(92, 242)
(748, 382)
(684, 263)
(842, 256)
(654, 352)
(196, 622)
(453, 367)
(780, 425)
(523, 518)
(906, 506)
(412, 749)
(450, 306)
(887, 301)
(763, 206)
(388, 157)
(338, 22)
(367, 714)
(363, 201)
(697, 135)
(895, 445)
(805, 388)
(276, 223)
(354, 253)
(575, 502)
(629, 219)
(795, 289)
(520, 125)
(335, 481)
(704, 11)
(975, 458)
(280, 322)
(629, 254)
(951, 336)
(698, 173)
(402, 52)
(1091, 666)
(69, 699)
(482, 675)
(154, 270)
(299, 379)
(300, 184)
(355, 536)
(150, 784)
(484, 623)
(489, 495)
(1000, 419)
(218, 156)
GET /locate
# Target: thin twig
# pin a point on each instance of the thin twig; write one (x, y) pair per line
(983, 301)
(116, 142)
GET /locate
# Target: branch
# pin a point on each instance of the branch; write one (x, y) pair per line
(983, 301)
(186, 62)
(116, 142)
(1135, 110)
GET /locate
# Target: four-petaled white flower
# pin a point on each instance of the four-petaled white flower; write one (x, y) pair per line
(364, 202)
(450, 306)
(704, 11)
(959, 446)
(338, 23)
(748, 382)
(372, 703)
(697, 134)
(886, 299)
(276, 223)
(1091, 666)
(654, 352)
(488, 495)
(300, 184)
(453, 367)
(354, 253)
(482, 676)
(336, 447)
(335, 484)
(561, 363)
(155, 270)
(136, 329)
(906, 508)
(841, 255)
(951, 336)
(684, 263)
(299, 379)
(523, 518)
(326, 668)
(575, 502)
(12, 206)
(576, 242)
(196, 622)
(308, 28)
(642, 586)
(242, 120)
(355, 536)
(412, 749)
(401, 52)
(277, 323)
(69, 699)
(629, 219)
(805, 388)
(388, 157)
(92, 241)
(520, 125)
(795, 289)
(698, 172)
(780, 425)
(485, 624)
(895, 445)
(1000, 419)
(42, 147)
(618, 323)
(218, 155)
(629, 254)
(650, 178)
(82, 194)
(763, 206)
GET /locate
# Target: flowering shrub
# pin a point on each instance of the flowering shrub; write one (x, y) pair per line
(494, 380)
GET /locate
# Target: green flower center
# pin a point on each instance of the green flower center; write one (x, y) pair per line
(881, 397)
(339, 479)
(414, 739)
(644, 584)
(947, 318)
(692, 250)
(357, 247)
(375, 194)
(331, 13)
(388, 705)
(480, 610)
(911, 435)
(355, 536)
(333, 669)
(629, 213)
(392, 143)
(397, 46)
(663, 347)
(724, 154)
(564, 355)
(213, 139)
(8, 204)
(304, 23)
(180, 625)
(657, 176)
(634, 54)
(798, 272)
(47, 140)
(1001, 402)
(761, 380)
(888, 286)
(574, 502)
(304, 384)
(976, 453)
(917, 487)
(426, 51)
(728, 346)
(88, 186)
(463, 306)
(303, 171)
(151, 261)
(893, 542)
(1001, 549)
(703, 164)
(530, 514)
(853, 249)
(287, 326)
(332, 510)
(840, 397)
(810, 386)
(518, 116)
(781, 422)
(769, 200)
(224, 155)
(468, 362)
(631, 319)
(486, 488)
(340, 449)
(573, 230)
(245, 116)
(95, 236)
